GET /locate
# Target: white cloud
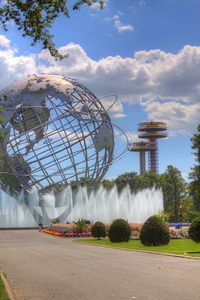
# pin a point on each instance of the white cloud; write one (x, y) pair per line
(14, 66)
(4, 42)
(180, 117)
(97, 4)
(127, 136)
(113, 105)
(132, 137)
(67, 135)
(120, 26)
(166, 85)
(185, 176)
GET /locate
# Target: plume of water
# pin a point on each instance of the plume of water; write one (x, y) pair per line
(14, 211)
(101, 205)
(104, 205)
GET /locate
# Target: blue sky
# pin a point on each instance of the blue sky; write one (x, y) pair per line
(146, 52)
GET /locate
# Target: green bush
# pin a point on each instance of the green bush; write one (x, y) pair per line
(194, 230)
(55, 221)
(119, 231)
(98, 230)
(80, 225)
(154, 232)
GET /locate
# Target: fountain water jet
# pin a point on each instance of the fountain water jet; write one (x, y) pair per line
(14, 211)
(104, 205)
(101, 205)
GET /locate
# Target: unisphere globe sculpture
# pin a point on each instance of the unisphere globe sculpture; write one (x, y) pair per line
(55, 131)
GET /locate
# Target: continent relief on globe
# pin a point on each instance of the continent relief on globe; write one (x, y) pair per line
(27, 119)
(13, 171)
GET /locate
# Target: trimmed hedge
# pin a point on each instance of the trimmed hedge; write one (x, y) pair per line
(98, 230)
(154, 232)
(119, 231)
(194, 230)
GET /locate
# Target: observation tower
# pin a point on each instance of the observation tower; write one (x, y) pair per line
(142, 147)
(152, 131)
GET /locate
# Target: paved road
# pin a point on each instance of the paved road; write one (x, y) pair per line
(43, 267)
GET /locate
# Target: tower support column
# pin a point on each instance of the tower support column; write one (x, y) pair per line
(153, 155)
(142, 163)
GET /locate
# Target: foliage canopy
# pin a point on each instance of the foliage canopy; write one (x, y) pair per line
(119, 231)
(154, 232)
(194, 186)
(80, 225)
(194, 230)
(98, 230)
(174, 191)
(35, 18)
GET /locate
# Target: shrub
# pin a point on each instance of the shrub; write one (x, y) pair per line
(194, 230)
(98, 230)
(80, 225)
(119, 231)
(55, 221)
(154, 232)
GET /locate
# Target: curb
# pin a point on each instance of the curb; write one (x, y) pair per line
(140, 251)
(7, 287)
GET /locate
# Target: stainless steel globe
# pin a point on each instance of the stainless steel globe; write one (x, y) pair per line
(55, 131)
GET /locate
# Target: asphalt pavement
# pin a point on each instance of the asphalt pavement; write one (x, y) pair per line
(44, 267)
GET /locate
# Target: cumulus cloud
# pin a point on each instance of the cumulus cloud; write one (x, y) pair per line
(14, 66)
(120, 26)
(4, 42)
(166, 85)
(180, 117)
(98, 4)
(113, 105)
(132, 137)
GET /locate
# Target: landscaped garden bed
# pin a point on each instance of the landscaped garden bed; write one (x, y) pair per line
(68, 230)
(67, 234)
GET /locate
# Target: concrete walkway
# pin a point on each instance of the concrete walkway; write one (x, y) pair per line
(43, 267)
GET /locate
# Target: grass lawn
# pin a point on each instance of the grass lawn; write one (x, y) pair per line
(3, 294)
(182, 247)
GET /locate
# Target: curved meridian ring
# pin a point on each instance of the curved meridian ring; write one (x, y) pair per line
(55, 131)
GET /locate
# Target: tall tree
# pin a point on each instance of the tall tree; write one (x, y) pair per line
(149, 180)
(107, 184)
(194, 186)
(130, 179)
(137, 182)
(174, 191)
(35, 18)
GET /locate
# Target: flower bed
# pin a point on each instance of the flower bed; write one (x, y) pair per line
(69, 234)
(80, 234)
(53, 232)
(181, 233)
